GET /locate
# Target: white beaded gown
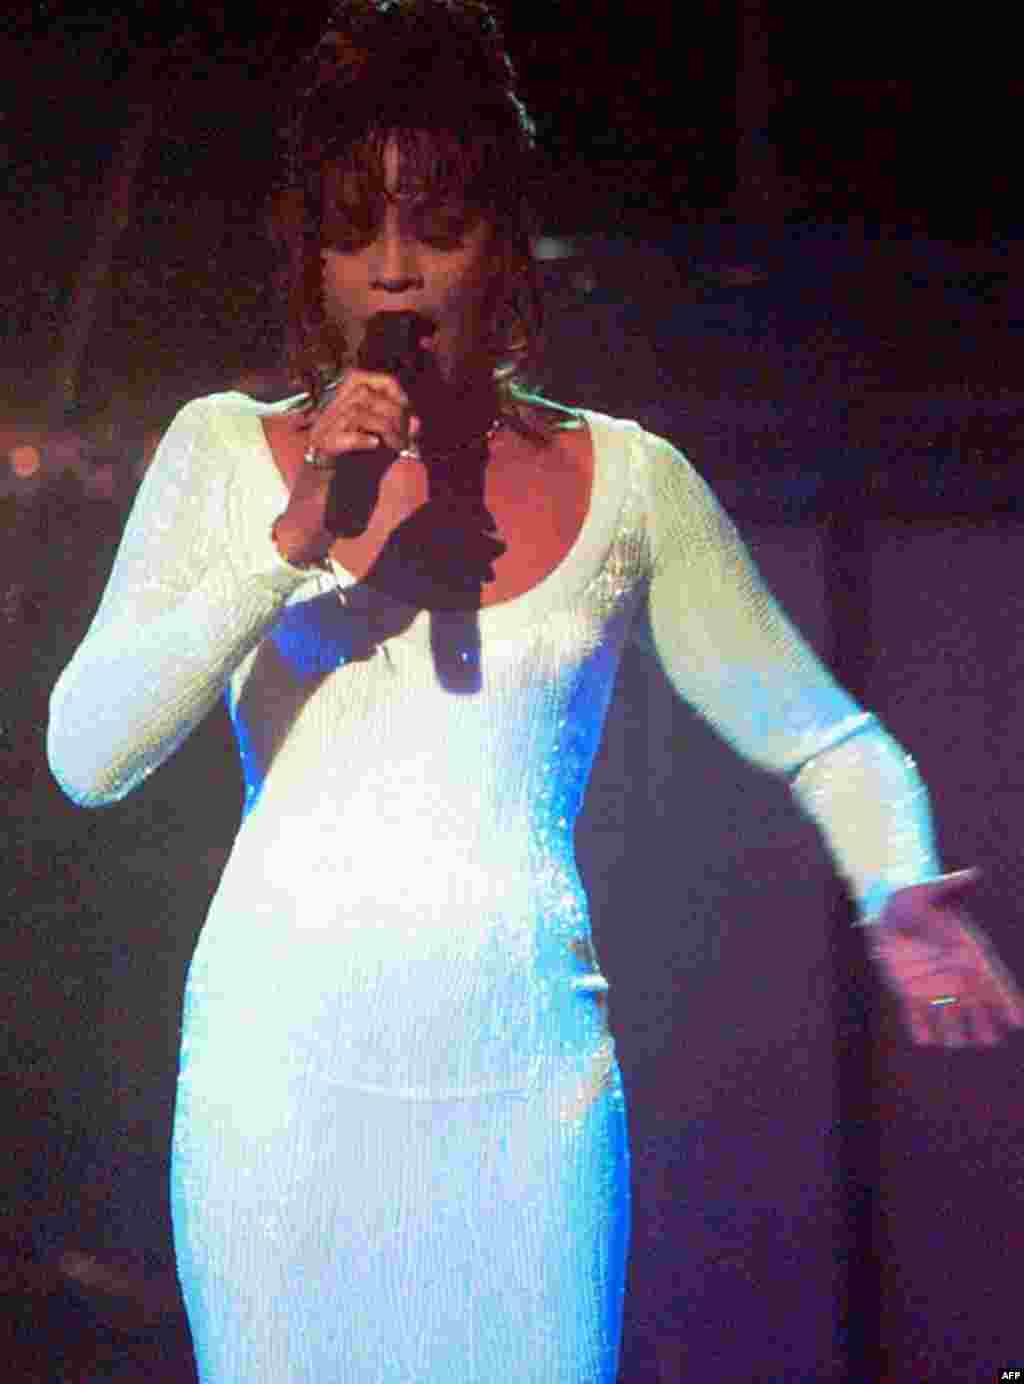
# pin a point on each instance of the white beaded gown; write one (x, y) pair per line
(400, 1151)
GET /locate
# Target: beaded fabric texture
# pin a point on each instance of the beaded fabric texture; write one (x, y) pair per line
(400, 1146)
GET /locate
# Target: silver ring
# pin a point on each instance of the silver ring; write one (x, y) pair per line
(313, 458)
(940, 1001)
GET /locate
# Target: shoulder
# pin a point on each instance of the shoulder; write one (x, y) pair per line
(666, 464)
(571, 428)
(223, 422)
(652, 454)
(542, 421)
(654, 457)
(671, 488)
(231, 408)
(204, 443)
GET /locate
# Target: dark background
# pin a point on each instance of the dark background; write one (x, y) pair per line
(811, 283)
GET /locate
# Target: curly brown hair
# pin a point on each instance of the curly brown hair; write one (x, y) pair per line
(434, 76)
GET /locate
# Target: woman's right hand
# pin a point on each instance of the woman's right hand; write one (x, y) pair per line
(366, 409)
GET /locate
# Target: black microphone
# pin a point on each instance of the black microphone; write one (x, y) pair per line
(390, 346)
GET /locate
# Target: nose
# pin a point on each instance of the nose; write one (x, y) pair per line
(394, 266)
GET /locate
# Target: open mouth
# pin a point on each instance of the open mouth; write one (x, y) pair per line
(394, 338)
(422, 325)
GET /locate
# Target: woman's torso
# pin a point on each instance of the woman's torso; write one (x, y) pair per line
(406, 864)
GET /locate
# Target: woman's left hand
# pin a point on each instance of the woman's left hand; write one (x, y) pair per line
(951, 986)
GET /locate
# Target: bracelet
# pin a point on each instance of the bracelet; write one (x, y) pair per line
(316, 564)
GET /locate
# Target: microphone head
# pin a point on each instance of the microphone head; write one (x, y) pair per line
(392, 341)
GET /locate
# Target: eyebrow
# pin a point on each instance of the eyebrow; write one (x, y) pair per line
(426, 195)
(425, 200)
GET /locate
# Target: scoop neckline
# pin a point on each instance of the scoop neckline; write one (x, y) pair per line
(560, 585)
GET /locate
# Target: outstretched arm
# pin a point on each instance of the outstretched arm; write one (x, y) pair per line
(731, 652)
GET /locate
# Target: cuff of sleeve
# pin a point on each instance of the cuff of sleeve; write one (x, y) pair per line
(872, 808)
(871, 903)
(874, 899)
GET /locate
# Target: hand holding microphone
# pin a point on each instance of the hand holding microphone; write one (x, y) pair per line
(443, 551)
(363, 423)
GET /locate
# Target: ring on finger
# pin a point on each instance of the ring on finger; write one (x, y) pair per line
(317, 460)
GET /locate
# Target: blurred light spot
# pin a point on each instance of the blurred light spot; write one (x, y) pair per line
(549, 247)
(25, 460)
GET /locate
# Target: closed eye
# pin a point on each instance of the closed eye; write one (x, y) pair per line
(352, 244)
(443, 227)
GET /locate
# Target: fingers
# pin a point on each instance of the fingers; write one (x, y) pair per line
(985, 1031)
(1009, 999)
(376, 380)
(350, 425)
(994, 987)
(366, 407)
(944, 1027)
(918, 1022)
(1009, 1009)
(971, 1004)
(968, 1023)
(1013, 1010)
(951, 1025)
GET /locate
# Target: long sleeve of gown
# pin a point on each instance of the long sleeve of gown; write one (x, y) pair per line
(732, 654)
(181, 610)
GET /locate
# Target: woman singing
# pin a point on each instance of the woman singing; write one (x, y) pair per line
(400, 1145)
